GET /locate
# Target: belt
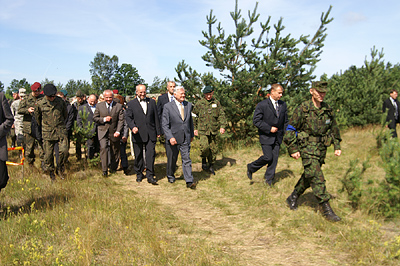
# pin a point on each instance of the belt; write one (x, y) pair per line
(315, 139)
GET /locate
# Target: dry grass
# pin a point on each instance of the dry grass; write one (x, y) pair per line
(88, 220)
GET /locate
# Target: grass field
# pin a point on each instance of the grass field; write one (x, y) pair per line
(90, 220)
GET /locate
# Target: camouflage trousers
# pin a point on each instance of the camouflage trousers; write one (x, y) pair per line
(48, 146)
(313, 177)
(209, 147)
(29, 148)
(13, 137)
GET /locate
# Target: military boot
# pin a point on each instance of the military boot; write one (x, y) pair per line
(292, 200)
(328, 213)
(204, 165)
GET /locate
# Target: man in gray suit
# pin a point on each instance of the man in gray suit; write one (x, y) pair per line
(177, 124)
(6, 121)
(109, 117)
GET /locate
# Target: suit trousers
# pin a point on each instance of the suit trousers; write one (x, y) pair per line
(184, 148)
(140, 157)
(269, 158)
(3, 174)
(109, 152)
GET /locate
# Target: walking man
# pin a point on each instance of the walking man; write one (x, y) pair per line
(312, 130)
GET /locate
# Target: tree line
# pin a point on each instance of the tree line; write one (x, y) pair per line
(249, 59)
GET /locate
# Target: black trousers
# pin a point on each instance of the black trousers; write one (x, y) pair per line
(3, 174)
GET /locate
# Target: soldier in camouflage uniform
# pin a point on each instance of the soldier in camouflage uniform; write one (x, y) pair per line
(209, 120)
(18, 119)
(51, 114)
(312, 129)
(80, 101)
(31, 130)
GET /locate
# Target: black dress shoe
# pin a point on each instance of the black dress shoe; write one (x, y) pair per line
(105, 173)
(191, 185)
(52, 176)
(138, 180)
(249, 173)
(171, 181)
(153, 182)
(211, 170)
(126, 171)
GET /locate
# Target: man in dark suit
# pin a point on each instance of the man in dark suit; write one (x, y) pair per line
(392, 105)
(270, 117)
(177, 124)
(109, 117)
(165, 98)
(142, 118)
(6, 121)
(92, 144)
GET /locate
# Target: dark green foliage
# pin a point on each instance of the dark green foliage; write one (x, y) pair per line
(353, 182)
(73, 86)
(1, 86)
(357, 94)
(158, 85)
(17, 84)
(102, 69)
(125, 79)
(388, 192)
(248, 64)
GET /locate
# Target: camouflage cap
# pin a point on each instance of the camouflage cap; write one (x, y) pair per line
(79, 94)
(208, 89)
(321, 86)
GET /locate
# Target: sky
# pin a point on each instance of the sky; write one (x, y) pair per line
(57, 39)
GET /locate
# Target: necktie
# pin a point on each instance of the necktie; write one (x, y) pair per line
(172, 98)
(395, 109)
(277, 108)
(182, 112)
(109, 108)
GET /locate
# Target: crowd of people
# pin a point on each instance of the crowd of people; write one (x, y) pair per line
(44, 119)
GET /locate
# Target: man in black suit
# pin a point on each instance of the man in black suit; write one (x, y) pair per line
(177, 124)
(109, 117)
(6, 121)
(142, 118)
(92, 144)
(392, 104)
(165, 98)
(270, 117)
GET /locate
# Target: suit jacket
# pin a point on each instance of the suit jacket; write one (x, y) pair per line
(6, 121)
(90, 115)
(387, 104)
(107, 129)
(173, 125)
(161, 101)
(265, 117)
(148, 124)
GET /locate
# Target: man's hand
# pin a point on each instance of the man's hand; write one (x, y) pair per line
(135, 130)
(295, 155)
(13, 126)
(107, 118)
(31, 110)
(116, 135)
(173, 141)
(338, 152)
(274, 129)
(196, 132)
(124, 139)
(222, 130)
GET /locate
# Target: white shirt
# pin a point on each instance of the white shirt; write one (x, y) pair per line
(273, 102)
(169, 97)
(143, 104)
(178, 104)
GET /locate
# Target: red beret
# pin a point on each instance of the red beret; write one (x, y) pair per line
(115, 91)
(36, 86)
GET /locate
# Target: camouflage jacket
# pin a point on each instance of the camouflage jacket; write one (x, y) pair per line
(209, 116)
(316, 129)
(51, 116)
(28, 101)
(18, 118)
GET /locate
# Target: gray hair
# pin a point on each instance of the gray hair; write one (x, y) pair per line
(177, 88)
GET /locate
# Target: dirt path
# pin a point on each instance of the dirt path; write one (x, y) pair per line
(255, 242)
